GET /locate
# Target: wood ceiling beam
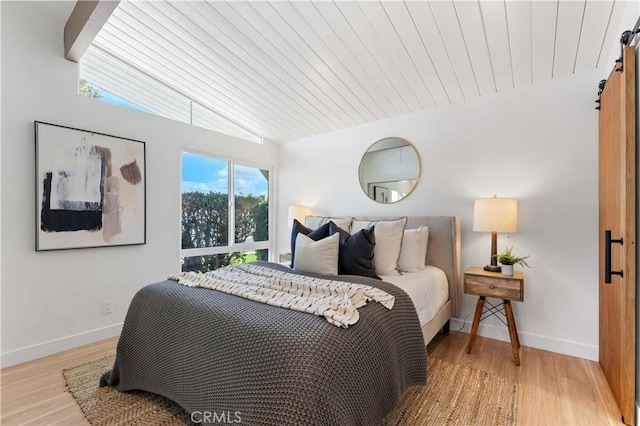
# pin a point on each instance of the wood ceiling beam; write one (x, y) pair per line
(85, 21)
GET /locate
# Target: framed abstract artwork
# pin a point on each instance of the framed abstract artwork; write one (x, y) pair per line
(90, 189)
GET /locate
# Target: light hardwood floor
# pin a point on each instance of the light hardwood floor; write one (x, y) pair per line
(556, 389)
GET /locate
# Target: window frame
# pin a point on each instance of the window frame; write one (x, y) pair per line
(232, 246)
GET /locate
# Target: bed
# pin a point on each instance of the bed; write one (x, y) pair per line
(443, 256)
(428, 290)
(444, 253)
(216, 353)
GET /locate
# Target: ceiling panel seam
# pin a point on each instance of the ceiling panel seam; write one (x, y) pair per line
(260, 83)
(604, 37)
(352, 121)
(531, 26)
(427, 51)
(374, 59)
(238, 108)
(221, 98)
(464, 40)
(555, 40)
(363, 69)
(287, 112)
(575, 59)
(125, 86)
(408, 54)
(448, 55)
(506, 18)
(320, 80)
(320, 57)
(128, 64)
(303, 81)
(273, 65)
(133, 29)
(411, 93)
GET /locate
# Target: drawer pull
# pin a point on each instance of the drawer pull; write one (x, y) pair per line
(492, 286)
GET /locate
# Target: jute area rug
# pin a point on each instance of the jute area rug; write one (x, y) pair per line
(454, 395)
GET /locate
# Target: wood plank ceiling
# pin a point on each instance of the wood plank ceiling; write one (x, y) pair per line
(288, 70)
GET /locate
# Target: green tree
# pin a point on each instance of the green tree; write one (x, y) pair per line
(204, 219)
(89, 90)
(245, 222)
(205, 224)
(261, 232)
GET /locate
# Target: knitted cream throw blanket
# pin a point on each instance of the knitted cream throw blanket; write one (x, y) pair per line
(337, 301)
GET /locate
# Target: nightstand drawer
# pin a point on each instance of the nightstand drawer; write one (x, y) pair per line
(501, 288)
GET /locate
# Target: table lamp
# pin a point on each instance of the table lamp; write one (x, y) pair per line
(495, 215)
(298, 212)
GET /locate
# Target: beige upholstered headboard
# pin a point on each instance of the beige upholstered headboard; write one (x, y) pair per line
(443, 250)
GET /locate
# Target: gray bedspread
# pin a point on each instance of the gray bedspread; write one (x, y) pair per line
(215, 352)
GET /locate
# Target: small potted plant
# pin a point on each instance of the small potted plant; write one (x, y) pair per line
(507, 259)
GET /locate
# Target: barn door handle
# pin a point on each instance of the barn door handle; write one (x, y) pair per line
(607, 257)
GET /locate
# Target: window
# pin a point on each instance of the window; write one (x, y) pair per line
(107, 78)
(91, 91)
(219, 229)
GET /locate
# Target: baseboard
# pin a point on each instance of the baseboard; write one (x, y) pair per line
(637, 413)
(532, 340)
(40, 350)
(51, 347)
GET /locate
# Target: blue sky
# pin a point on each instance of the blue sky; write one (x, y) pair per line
(117, 100)
(113, 99)
(204, 174)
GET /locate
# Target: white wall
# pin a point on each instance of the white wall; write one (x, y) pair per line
(52, 300)
(537, 144)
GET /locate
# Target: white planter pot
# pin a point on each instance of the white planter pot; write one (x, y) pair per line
(507, 270)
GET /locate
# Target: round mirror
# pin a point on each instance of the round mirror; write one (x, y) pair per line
(389, 170)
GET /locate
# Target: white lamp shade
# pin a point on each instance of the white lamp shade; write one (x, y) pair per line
(299, 213)
(495, 215)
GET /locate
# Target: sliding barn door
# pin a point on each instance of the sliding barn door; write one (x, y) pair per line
(618, 233)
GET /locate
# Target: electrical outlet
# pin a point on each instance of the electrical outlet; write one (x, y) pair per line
(107, 306)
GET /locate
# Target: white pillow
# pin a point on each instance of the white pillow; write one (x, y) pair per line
(320, 257)
(314, 222)
(388, 235)
(413, 254)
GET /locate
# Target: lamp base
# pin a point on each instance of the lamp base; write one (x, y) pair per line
(492, 268)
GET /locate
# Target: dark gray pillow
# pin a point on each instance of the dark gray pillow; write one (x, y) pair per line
(315, 234)
(356, 251)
